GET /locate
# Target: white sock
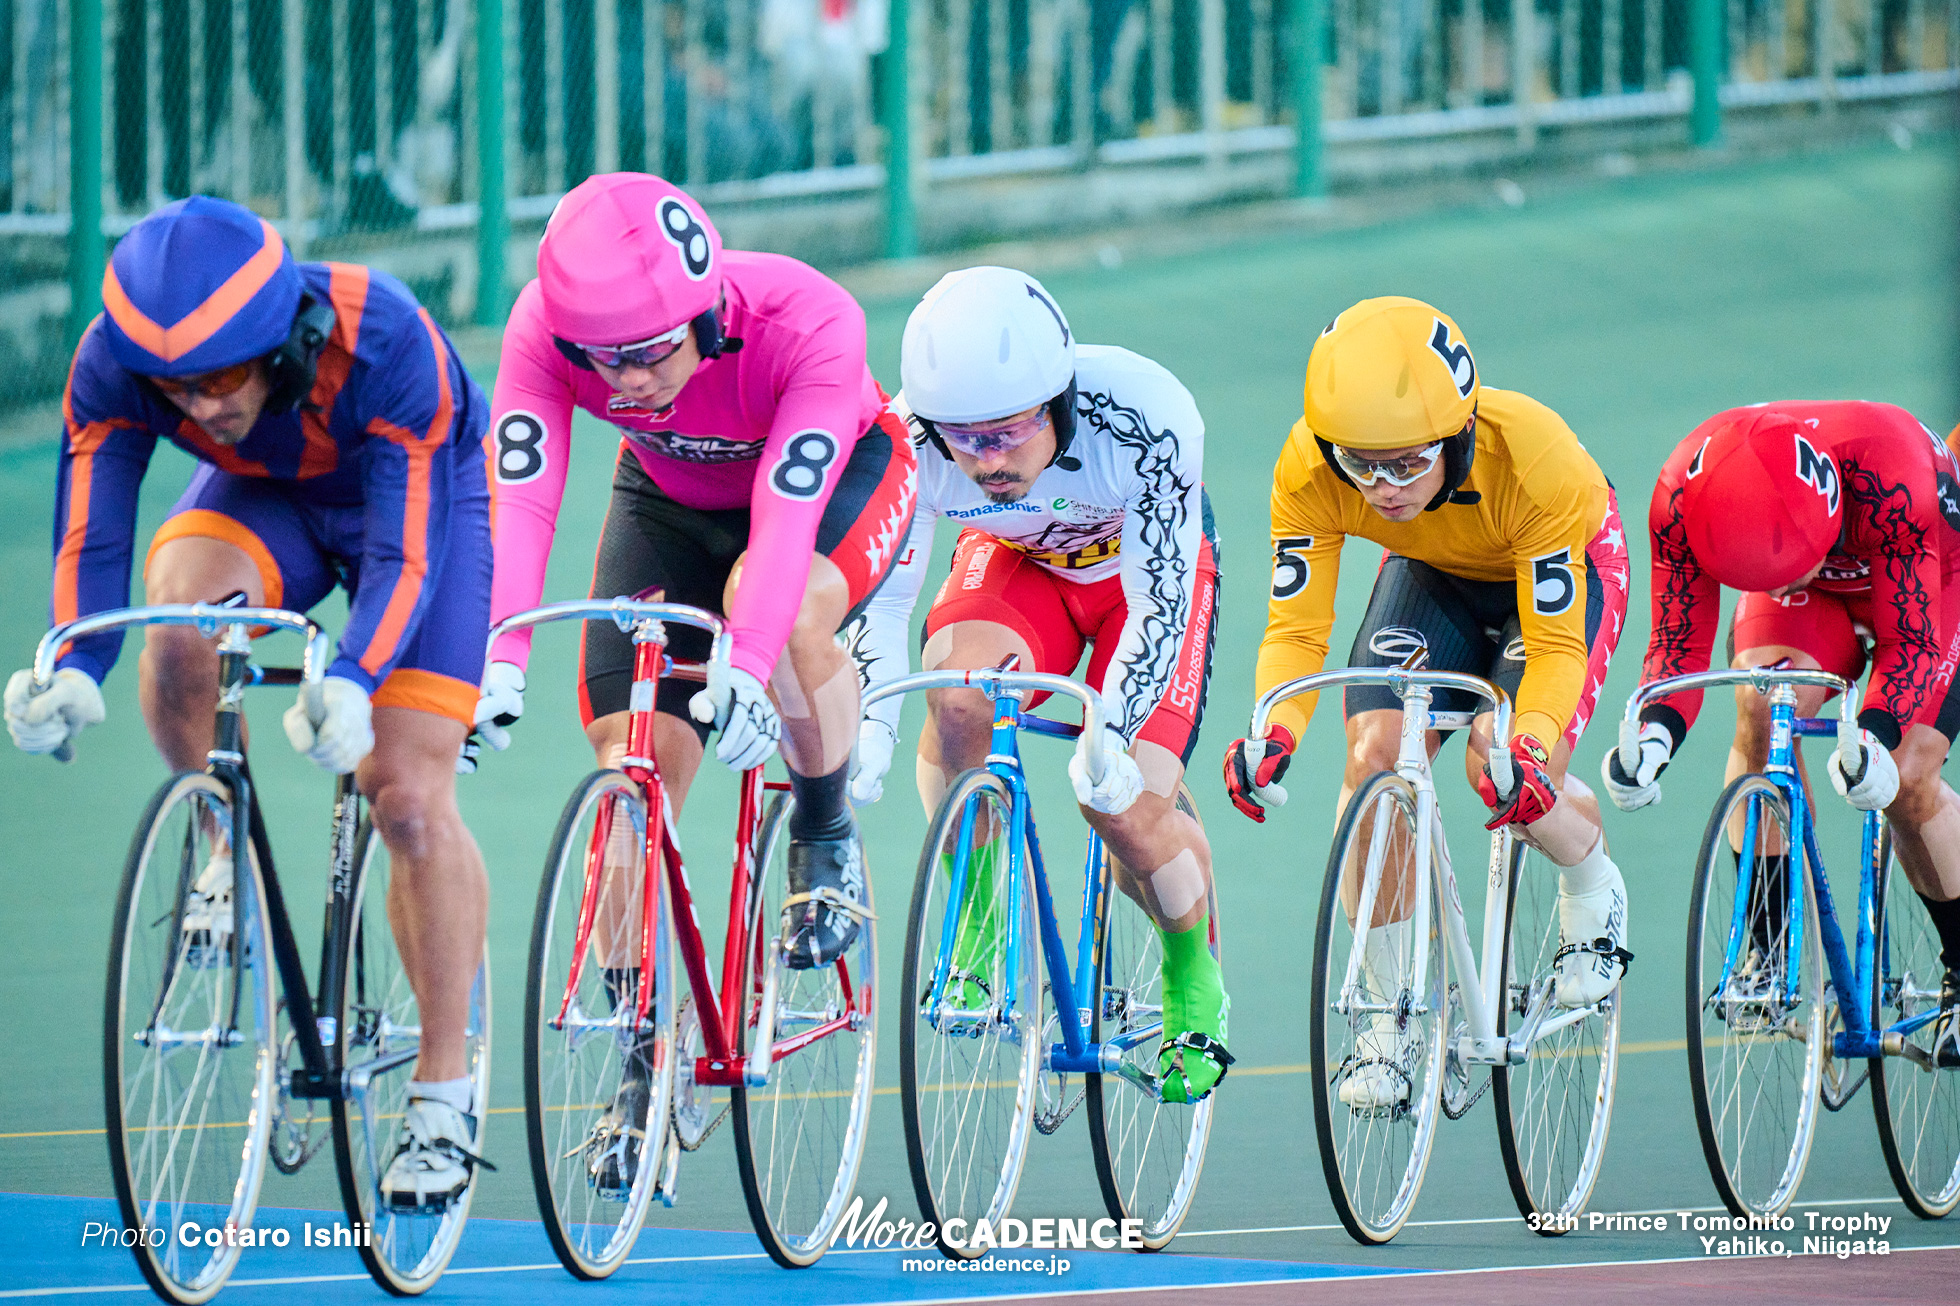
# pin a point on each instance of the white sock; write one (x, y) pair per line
(1384, 953)
(1594, 872)
(450, 1092)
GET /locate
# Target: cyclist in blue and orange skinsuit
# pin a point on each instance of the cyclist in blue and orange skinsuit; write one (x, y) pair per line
(339, 441)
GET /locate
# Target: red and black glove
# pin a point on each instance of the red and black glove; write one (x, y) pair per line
(1532, 792)
(1253, 768)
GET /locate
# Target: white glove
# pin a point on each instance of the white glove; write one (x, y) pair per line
(1630, 793)
(501, 705)
(1121, 783)
(345, 732)
(740, 708)
(876, 741)
(1875, 782)
(43, 722)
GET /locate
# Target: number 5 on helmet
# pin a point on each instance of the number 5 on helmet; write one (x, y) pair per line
(1253, 769)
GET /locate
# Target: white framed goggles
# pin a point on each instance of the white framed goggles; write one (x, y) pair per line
(651, 352)
(987, 439)
(1404, 470)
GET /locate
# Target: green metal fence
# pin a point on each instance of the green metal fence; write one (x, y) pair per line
(351, 121)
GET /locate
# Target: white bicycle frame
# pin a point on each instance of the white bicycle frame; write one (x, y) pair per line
(1481, 1045)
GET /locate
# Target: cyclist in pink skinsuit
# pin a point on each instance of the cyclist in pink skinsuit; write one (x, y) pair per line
(750, 425)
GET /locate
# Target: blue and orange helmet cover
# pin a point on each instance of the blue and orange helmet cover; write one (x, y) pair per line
(200, 284)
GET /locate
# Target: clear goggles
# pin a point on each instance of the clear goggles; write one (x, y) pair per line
(1405, 470)
(651, 352)
(989, 439)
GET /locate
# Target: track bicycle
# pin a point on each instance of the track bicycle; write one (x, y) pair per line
(987, 1048)
(1772, 1034)
(1388, 1019)
(621, 1071)
(214, 1048)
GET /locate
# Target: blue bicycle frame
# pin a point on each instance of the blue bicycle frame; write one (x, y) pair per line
(1076, 1052)
(1851, 972)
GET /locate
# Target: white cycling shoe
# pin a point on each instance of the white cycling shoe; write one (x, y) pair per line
(207, 923)
(1592, 935)
(1376, 1081)
(432, 1164)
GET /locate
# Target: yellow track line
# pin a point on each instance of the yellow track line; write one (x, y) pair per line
(1654, 1045)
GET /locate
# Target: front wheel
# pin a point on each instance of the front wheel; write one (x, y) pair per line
(1377, 1012)
(379, 1027)
(1755, 1002)
(1554, 1110)
(799, 1136)
(1917, 1103)
(189, 1043)
(1149, 1152)
(970, 1036)
(597, 1079)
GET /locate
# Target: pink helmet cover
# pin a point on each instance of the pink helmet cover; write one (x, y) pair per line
(626, 256)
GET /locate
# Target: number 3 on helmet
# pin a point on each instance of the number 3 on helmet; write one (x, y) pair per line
(1761, 467)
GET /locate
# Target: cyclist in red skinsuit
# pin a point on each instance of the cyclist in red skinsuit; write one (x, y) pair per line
(1877, 584)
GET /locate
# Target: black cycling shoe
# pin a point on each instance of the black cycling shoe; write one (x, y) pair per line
(613, 1148)
(1946, 1029)
(822, 874)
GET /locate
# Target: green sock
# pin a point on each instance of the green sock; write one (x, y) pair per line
(1194, 1000)
(976, 946)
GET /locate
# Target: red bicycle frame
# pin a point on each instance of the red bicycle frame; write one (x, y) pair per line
(744, 959)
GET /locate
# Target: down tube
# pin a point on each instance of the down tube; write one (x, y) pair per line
(1051, 946)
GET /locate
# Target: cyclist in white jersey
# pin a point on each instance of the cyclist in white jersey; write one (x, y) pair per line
(1074, 473)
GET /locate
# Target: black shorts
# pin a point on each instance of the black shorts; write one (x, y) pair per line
(1469, 626)
(652, 544)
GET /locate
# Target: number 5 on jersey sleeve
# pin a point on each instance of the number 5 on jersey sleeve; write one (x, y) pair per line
(1552, 586)
(1290, 569)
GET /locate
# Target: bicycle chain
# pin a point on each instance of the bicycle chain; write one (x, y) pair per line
(674, 1117)
(1046, 1122)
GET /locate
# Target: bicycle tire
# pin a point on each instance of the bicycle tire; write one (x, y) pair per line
(1917, 1110)
(1149, 1153)
(202, 1162)
(573, 1072)
(377, 1024)
(1006, 1042)
(1416, 1059)
(1555, 1110)
(1751, 1178)
(799, 1138)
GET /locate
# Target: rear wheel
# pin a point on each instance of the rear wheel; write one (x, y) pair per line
(1553, 1111)
(380, 1028)
(799, 1136)
(1149, 1152)
(1755, 1003)
(595, 1146)
(1917, 1105)
(1376, 1026)
(189, 1040)
(969, 1052)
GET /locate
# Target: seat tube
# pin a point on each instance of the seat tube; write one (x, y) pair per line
(1869, 960)
(1089, 979)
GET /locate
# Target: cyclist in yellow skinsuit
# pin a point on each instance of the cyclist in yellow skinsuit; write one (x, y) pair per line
(1505, 559)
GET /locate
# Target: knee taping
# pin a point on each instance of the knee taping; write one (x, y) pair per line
(820, 724)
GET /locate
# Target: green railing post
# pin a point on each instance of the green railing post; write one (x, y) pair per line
(493, 218)
(86, 249)
(1309, 35)
(1705, 60)
(901, 216)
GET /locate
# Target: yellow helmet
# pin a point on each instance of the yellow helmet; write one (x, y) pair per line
(1390, 373)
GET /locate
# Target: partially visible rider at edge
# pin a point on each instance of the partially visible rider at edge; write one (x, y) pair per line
(1074, 472)
(1848, 556)
(758, 475)
(1506, 560)
(338, 441)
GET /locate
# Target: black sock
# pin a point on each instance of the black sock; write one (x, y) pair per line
(1769, 891)
(821, 810)
(621, 982)
(1946, 919)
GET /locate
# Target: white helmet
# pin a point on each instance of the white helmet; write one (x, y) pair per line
(985, 343)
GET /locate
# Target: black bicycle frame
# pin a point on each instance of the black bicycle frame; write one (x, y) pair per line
(320, 1072)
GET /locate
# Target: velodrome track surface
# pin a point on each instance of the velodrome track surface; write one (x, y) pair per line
(1634, 307)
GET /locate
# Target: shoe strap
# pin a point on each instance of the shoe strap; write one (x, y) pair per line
(825, 896)
(1599, 947)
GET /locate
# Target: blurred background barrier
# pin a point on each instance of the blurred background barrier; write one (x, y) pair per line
(375, 129)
